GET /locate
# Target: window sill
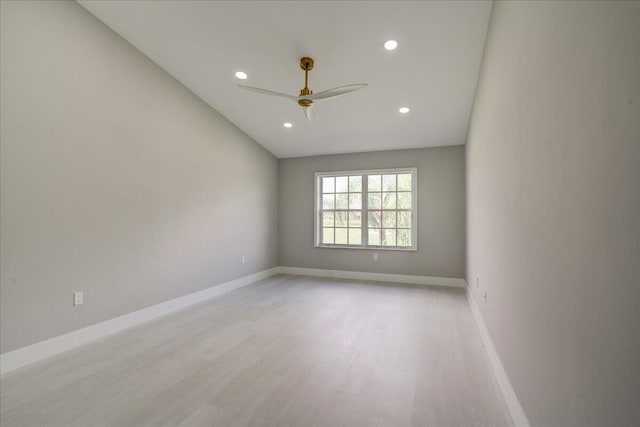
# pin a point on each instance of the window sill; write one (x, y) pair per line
(370, 248)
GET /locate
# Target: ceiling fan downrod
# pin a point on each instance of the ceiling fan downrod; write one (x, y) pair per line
(306, 64)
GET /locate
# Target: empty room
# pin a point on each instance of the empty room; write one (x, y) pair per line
(319, 213)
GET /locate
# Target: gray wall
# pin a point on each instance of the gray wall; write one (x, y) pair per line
(116, 180)
(552, 197)
(441, 213)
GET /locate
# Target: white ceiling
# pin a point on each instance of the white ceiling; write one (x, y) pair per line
(433, 71)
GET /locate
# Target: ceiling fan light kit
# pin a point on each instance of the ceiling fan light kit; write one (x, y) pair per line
(307, 97)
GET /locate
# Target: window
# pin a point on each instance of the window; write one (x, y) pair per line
(366, 209)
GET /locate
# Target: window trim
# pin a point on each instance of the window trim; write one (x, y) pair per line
(414, 208)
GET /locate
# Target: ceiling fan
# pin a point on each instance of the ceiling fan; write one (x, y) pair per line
(306, 97)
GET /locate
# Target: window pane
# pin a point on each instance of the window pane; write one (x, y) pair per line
(404, 237)
(355, 201)
(389, 219)
(355, 184)
(404, 219)
(327, 235)
(385, 212)
(341, 219)
(404, 200)
(389, 182)
(375, 219)
(374, 236)
(389, 200)
(341, 236)
(328, 184)
(375, 183)
(342, 201)
(374, 201)
(327, 219)
(327, 201)
(404, 182)
(342, 184)
(355, 236)
(355, 219)
(388, 237)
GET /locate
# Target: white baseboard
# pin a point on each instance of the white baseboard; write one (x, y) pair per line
(515, 408)
(26, 355)
(380, 277)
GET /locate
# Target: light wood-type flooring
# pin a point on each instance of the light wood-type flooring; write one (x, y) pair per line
(285, 351)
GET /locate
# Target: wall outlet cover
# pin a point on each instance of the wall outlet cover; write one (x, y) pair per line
(78, 298)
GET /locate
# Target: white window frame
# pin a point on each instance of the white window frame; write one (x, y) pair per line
(317, 223)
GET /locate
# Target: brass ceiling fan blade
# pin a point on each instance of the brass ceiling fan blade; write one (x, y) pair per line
(268, 92)
(336, 91)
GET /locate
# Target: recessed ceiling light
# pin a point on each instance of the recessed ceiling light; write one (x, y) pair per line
(390, 44)
(287, 125)
(404, 110)
(241, 75)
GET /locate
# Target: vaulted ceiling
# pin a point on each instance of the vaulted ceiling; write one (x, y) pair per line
(433, 71)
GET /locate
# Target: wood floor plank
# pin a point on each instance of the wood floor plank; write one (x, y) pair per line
(287, 350)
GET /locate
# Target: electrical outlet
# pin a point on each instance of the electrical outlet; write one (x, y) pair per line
(242, 259)
(485, 297)
(375, 256)
(78, 298)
